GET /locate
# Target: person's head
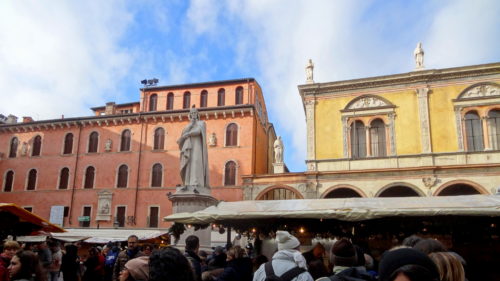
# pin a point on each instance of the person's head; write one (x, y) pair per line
(429, 245)
(449, 266)
(71, 250)
(318, 250)
(93, 252)
(25, 265)
(147, 249)
(235, 252)
(10, 248)
(132, 241)
(169, 264)
(410, 241)
(137, 268)
(286, 241)
(343, 253)
(396, 265)
(192, 243)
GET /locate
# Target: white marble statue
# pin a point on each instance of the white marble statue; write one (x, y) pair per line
(419, 57)
(212, 140)
(194, 157)
(310, 72)
(278, 150)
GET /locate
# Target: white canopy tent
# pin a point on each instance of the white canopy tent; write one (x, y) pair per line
(105, 235)
(348, 209)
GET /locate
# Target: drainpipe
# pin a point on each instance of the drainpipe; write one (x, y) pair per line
(74, 174)
(138, 168)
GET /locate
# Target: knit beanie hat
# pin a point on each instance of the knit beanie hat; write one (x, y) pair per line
(138, 268)
(343, 253)
(395, 259)
(286, 241)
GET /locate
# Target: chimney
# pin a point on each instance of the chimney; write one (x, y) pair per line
(11, 119)
(27, 119)
(110, 108)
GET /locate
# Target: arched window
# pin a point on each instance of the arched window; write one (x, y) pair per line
(399, 191)
(230, 174)
(238, 96)
(14, 142)
(37, 146)
(170, 101)
(377, 138)
(122, 176)
(153, 99)
(89, 177)
(474, 131)
(204, 98)
(358, 140)
(68, 144)
(93, 142)
(64, 178)
(279, 194)
(31, 180)
(9, 181)
(125, 141)
(494, 128)
(221, 97)
(159, 138)
(156, 175)
(232, 135)
(186, 100)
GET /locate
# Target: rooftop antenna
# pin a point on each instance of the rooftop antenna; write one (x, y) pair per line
(150, 82)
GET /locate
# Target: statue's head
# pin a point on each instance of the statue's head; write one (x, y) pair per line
(193, 113)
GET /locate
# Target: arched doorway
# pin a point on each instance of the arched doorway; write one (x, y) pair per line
(342, 192)
(399, 191)
(278, 193)
(458, 189)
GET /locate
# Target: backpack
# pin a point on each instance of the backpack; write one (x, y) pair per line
(111, 258)
(287, 276)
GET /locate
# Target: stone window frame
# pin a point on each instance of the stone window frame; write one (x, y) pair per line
(148, 223)
(186, 100)
(89, 142)
(203, 97)
(4, 182)
(117, 173)
(151, 175)
(124, 217)
(237, 166)
(122, 137)
(34, 147)
(13, 152)
(58, 186)
(221, 97)
(238, 95)
(28, 179)
(238, 129)
(154, 138)
(153, 100)
(480, 97)
(85, 177)
(63, 152)
(170, 103)
(368, 108)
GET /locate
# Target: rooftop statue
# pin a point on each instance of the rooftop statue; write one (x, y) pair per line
(194, 157)
(278, 150)
(310, 72)
(419, 57)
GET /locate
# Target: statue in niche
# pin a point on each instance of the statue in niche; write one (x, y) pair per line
(310, 72)
(24, 149)
(278, 150)
(194, 157)
(105, 209)
(108, 144)
(419, 57)
(212, 140)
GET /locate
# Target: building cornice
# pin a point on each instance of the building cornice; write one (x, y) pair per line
(424, 76)
(120, 119)
(198, 85)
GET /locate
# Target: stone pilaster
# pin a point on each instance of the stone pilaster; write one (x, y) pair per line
(423, 112)
(311, 123)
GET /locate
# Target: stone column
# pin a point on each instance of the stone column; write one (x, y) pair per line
(392, 135)
(460, 132)
(423, 112)
(486, 134)
(368, 140)
(310, 123)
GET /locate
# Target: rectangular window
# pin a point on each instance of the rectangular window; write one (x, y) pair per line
(120, 216)
(153, 216)
(29, 209)
(66, 211)
(85, 219)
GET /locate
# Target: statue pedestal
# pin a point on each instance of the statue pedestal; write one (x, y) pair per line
(278, 168)
(192, 202)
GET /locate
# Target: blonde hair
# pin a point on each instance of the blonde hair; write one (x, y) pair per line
(236, 252)
(11, 245)
(449, 266)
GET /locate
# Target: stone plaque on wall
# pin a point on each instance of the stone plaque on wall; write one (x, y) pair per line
(104, 206)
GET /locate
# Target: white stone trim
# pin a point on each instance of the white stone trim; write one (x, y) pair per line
(423, 112)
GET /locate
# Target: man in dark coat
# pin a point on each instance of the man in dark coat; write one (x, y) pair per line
(124, 256)
(191, 253)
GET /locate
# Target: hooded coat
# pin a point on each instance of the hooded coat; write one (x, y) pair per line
(282, 262)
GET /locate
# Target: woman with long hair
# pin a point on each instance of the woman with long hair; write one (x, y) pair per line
(449, 266)
(25, 266)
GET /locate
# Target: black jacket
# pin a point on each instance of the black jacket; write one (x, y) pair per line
(237, 270)
(352, 274)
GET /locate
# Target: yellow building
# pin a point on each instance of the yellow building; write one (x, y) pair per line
(424, 133)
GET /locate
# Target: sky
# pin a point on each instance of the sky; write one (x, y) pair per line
(63, 57)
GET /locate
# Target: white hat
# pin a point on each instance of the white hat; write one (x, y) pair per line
(286, 241)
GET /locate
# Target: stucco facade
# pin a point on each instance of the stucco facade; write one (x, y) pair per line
(422, 133)
(128, 137)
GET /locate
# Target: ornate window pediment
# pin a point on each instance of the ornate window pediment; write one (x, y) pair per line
(484, 90)
(368, 102)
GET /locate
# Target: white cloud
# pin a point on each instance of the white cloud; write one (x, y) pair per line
(57, 58)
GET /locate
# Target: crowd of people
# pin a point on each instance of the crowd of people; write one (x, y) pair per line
(417, 259)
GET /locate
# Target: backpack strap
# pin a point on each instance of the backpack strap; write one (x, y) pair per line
(292, 273)
(269, 269)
